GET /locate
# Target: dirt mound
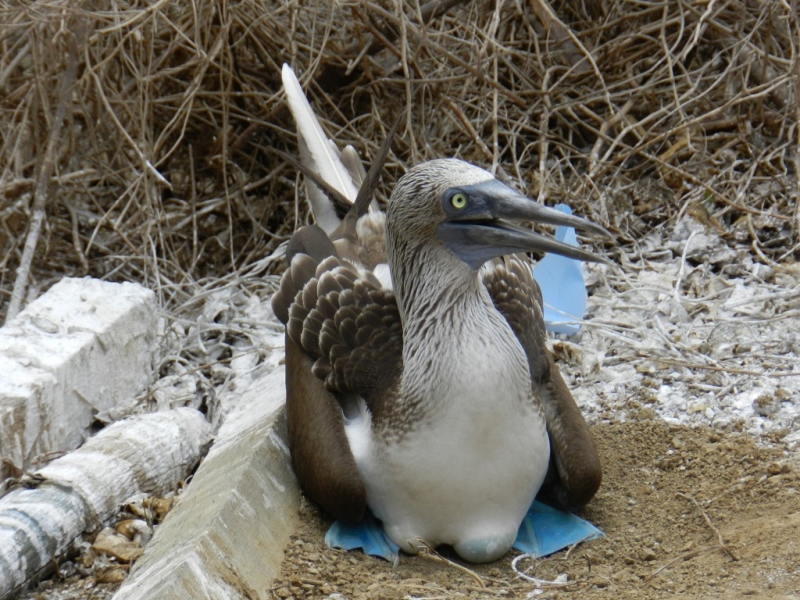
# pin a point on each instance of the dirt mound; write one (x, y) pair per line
(687, 512)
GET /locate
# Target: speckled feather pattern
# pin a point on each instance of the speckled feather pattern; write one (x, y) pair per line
(345, 321)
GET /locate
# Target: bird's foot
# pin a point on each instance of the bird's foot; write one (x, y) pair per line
(546, 530)
(367, 534)
(543, 531)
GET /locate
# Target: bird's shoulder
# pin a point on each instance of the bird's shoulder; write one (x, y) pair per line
(342, 315)
(517, 296)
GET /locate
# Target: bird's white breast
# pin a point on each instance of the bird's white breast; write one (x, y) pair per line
(467, 471)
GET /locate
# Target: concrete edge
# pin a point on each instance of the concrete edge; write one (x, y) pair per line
(226, 537)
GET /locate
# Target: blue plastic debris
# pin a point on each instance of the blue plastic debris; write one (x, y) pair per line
(562, 284)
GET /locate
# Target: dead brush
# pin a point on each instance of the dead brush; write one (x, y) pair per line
(135, 139)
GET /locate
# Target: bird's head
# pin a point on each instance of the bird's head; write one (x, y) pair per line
(469, 212)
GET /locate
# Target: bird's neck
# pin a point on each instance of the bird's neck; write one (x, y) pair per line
(458, 350)
(445, 307)
(431, 284)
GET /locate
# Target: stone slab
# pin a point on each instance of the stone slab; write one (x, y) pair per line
(81, 490)
(84, 347)
(225, 538)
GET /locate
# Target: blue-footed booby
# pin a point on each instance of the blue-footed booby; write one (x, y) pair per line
(419, 385)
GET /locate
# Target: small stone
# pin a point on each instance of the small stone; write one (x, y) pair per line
(648, 554)
(766, 405)
(113, 574)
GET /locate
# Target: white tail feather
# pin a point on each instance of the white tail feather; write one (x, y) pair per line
(322, 207)
(352, 162)
(324, 158)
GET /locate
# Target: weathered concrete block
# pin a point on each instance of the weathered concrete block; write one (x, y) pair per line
(225, 538)
(84, 488)
(83, 347)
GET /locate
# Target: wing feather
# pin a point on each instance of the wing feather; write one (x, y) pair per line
(575, 471)
(343, 337)
(345, 321)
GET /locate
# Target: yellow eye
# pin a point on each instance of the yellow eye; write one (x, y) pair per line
(458, 200)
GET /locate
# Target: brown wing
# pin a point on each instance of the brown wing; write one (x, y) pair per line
(343, 338)
(575, 472)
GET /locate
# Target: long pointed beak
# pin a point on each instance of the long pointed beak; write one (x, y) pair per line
(485, 229)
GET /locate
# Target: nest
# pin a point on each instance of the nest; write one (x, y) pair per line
(138, 138)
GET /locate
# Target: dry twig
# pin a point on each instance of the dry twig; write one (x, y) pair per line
(430, 554)
(74, 31)
(720, 545)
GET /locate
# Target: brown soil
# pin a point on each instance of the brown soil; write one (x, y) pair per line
(688, 513)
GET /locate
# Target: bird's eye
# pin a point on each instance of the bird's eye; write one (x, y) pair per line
(458, 200)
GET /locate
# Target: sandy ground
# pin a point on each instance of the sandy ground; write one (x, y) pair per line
(687, 512)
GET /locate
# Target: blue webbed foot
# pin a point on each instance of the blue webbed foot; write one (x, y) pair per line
(546, 530)
(367, 534)
(561, 281)
(543, 531)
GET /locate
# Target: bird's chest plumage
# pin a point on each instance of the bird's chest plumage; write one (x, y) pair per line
(475, 452)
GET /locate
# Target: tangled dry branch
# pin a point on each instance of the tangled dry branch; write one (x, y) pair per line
(636, 112)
